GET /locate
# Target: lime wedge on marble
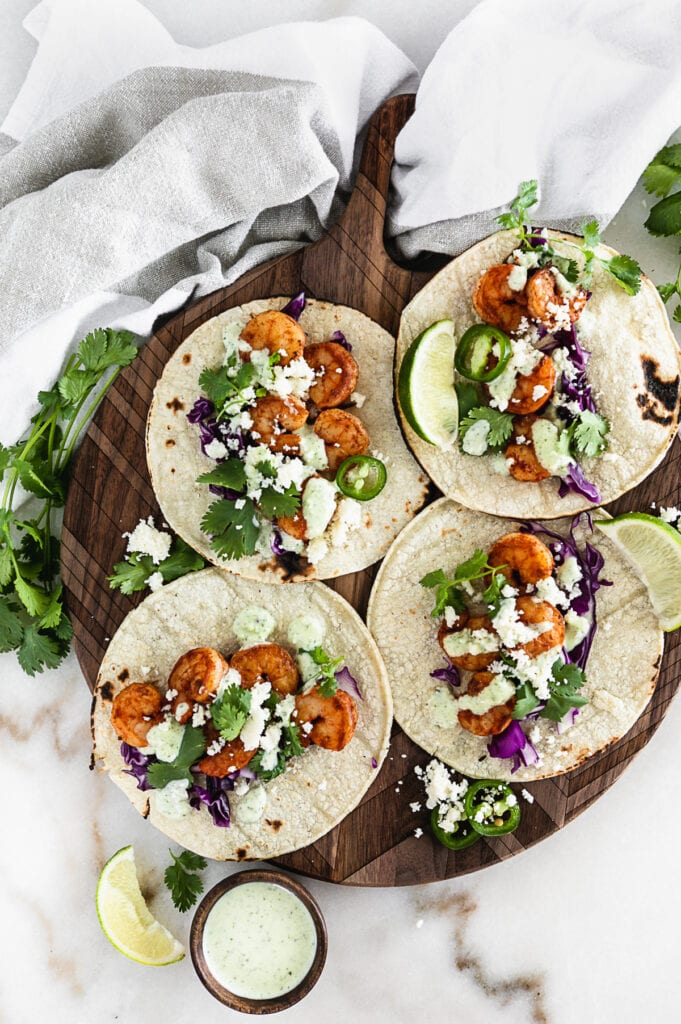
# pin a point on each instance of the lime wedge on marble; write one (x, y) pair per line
(654, 549)
(425, 385)
(125, 917)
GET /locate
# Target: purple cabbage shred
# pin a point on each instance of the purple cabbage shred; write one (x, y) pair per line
(295, 306)
(514, 744)
(347, 682)
(575, 481)
(374, 762)
(448, 674)
(275, 543)
(340, 339)
(138, 763)
(214, 796)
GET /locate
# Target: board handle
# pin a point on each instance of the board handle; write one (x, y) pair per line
(346, 266)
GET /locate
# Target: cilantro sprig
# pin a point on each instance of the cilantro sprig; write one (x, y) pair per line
(233, 530)
(181, 879)
(290, 746)
(33, 621)
(326, 671)
(230, 711)
(587, 434)
(623, 269)
(449, 592)
(662, 174)
(566, 680)
(131, 574)
(500, 425)
(192, 747)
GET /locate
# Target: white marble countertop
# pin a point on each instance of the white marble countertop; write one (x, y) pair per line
(582, 928)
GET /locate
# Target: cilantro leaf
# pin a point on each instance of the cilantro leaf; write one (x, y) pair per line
(37, 652)
(567, 267)
(192, 747)
(472, 568)
(592, 236)
(6, 566)
(492, 594)
(217, 385)
(34, 600)
(567, 679)
(676, 315)
(11, 629)
(450, 594)
(665, 216)
(526, 701)
(234, 533)
(105, 347)
(266, 469)
(52, 615)
(664, 171)
(184, 884)
(328, 666)
(181, 560)
(230, 711)
(131, 574)
(625, 270)
(500, 425)
(276, 503)
(290, 747)
(515, 219)
(666, 291)
(588, 433)
(231, 474)
(76, 385)
(468, 397)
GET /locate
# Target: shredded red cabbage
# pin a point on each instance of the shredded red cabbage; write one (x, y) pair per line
(374, 762)
(295, 306)
(214, 796)
(138, 764)
(347, 682)
(340, 339)
(201, 410)
(275, 543)
(513, 743)
(567, 721)
(448, 674)
(574, 480)
(203, 414)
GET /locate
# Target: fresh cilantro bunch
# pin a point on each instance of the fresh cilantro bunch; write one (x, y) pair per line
(192, 747)
(132, 573)
(33, 621)
(566, 680)
(500, 425)
(662, 174)
(181, 879)
(449, 593)
(623, 269)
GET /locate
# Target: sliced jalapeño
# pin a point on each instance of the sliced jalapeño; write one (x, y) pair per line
(473, 352)
(462, 836)
(492, 807)
(361, 477)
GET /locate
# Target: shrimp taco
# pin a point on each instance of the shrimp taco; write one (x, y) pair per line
(273, 445)
(560, 358)
(510, 647)
(242, 725)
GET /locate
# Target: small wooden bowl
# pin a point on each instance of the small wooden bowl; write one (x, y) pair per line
(243, 1003)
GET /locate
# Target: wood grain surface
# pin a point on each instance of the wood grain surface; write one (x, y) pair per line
(110, 491)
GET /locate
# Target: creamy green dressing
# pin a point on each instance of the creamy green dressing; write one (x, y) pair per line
(259, 940)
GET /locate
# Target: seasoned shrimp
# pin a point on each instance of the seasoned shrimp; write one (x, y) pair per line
(546, 302)
(295, 526)
(491, 722)
(267, 662)
(336, 372)
(522, 558)
(532, 612)
(532, 390)
(274, 419)
(135, 709)
(195, 678)
(230, 758)
(472, 623)
(524, 464)
(277, 332)
(343, 435)
(333, 718)
(496, 302)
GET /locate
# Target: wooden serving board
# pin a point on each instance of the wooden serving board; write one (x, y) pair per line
(110, 491)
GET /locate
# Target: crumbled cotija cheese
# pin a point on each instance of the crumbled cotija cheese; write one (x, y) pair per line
(147, 540)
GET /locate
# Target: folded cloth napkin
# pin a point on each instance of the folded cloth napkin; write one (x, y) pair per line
(138, 173)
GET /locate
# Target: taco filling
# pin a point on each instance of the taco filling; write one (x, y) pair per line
(219, 726)
(517, 626)
(291, 458)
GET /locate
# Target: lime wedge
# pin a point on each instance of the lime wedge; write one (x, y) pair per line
(425, 385)
(125, 917)
(654, 549)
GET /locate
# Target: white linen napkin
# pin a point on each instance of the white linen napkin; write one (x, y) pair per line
(579, 95)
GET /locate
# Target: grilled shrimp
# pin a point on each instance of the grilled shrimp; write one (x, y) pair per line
(333, 718)
(525, 465)
(336, 371)
(532, 390)
(195, 677)
(549, 305)
(522, 558)
(277, 332)
(274, 419)
(231, 758)
(343, 435)
(531, 612)
(267, 662)
(469, 662)
(496, 302)
(295, 526)
(135, 709)
(491, 722)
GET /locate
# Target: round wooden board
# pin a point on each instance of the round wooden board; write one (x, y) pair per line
(110, 491)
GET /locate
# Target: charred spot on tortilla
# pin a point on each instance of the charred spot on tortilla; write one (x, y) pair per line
(187, 358)
(107, 690)
(170, 443)
(241, 854)
(290, 566)
(666, 392)
(145, 812)
(122, 676)
(274, 825)
(175, 404)
(650, 411)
